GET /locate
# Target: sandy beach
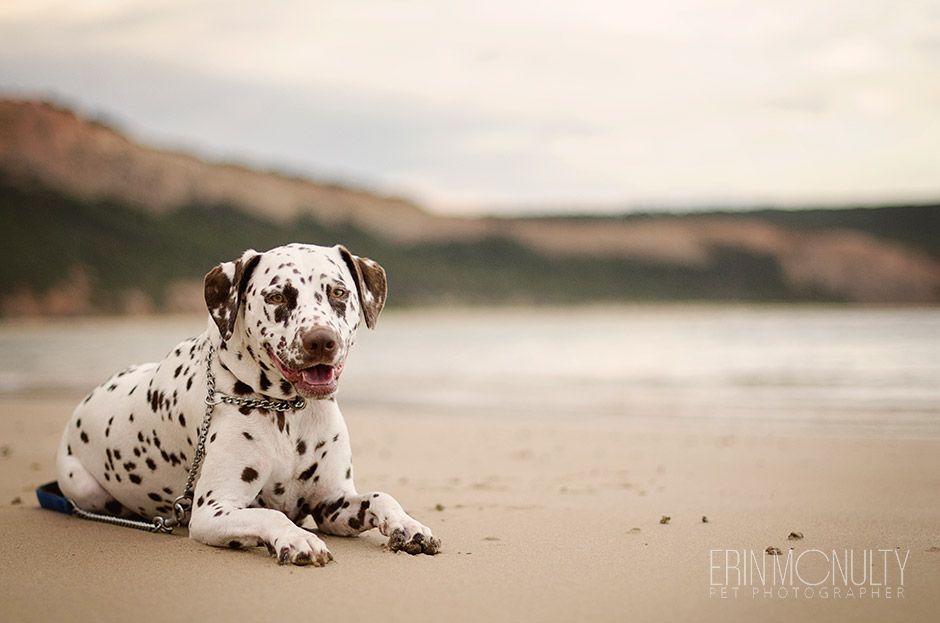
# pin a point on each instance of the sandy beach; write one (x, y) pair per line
(542, 519)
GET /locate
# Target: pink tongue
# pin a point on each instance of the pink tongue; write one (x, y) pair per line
(318, 375)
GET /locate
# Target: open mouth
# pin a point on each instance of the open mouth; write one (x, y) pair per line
(316, 381)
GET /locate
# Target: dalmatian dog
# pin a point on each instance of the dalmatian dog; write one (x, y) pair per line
(281, 325)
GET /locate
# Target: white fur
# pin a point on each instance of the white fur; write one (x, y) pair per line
(131, 441)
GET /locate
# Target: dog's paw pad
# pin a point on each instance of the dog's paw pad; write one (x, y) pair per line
(419, 544)
(396, 540)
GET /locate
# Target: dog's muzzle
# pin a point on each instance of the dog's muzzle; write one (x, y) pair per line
(320, 347)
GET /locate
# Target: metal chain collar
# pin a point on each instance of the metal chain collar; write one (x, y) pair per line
(184, 503)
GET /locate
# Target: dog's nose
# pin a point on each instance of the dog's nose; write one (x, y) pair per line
(320, 342)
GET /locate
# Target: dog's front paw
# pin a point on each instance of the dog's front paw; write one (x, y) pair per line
(417, 544)
(300, 549)
(410, 537)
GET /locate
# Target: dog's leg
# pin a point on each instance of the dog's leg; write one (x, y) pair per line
(81, 487)
(229, 482)
(224, 525)
(352, 513)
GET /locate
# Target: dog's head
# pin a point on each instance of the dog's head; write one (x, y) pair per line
(294, 311)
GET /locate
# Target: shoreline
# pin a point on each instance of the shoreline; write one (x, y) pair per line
(66, 399)
(525, 308)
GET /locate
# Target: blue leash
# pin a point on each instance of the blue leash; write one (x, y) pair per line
(50, 497)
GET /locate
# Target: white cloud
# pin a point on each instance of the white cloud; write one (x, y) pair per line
(516, 101)
(852, 56)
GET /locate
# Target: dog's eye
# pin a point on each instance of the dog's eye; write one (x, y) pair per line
(276, 298)
(338, 293)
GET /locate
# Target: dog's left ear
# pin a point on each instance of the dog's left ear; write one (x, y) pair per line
(370, 282)
(225, 285)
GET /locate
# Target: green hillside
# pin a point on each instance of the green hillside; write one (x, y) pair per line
(46, 235)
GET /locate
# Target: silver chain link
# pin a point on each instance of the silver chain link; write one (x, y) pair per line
(184, 503)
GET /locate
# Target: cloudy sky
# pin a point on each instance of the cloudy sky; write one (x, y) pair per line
(469, 105)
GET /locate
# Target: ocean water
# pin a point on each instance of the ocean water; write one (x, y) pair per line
(849, 368)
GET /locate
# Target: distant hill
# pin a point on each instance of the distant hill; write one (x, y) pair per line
(51, 147)
(94, 223)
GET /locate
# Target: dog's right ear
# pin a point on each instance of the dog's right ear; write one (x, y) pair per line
(225, 286)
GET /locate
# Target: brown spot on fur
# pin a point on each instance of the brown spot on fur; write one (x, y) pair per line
(307, 473)
(114, 507)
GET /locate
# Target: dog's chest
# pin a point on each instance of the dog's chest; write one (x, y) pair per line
(312, 458)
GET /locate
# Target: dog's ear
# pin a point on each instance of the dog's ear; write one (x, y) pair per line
(225, 285)
(370, 282)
